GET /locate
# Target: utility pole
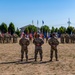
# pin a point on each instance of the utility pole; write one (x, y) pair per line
(32, 22)
(42, 25)
(69, 22)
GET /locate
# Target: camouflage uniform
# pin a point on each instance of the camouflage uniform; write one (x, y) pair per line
(24, 43)
(15, 36)
(53, 42)
(72, 37)
(62, 38)
(67, 37)
(38, 43)
(6, 38)
(1, 38)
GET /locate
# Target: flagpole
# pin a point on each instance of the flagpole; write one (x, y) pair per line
(42, 25)
(37, 26)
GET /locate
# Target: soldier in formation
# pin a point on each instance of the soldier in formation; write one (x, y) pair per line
(53, 42)
(67, 37)
(72, 38)
(62, 37)
(24, 47)
(5, 38)
(1, 38)
(15, 36)
(38, 42)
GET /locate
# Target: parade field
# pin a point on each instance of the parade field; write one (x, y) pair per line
(10, 63)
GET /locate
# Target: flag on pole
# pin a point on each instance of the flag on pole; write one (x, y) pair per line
(42, 22)
(37, 25)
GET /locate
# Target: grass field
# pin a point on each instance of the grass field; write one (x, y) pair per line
(10, 61)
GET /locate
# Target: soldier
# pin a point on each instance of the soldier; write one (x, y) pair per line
(6, 37)
(67, 37)
(15, 36)
(38, 42)
(62, 38)
(24, 43)
(73, 38)
(53, 42)
(1, 38)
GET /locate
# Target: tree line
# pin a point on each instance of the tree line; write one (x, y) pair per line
(10, 29)
(45, 29)
(32, 28)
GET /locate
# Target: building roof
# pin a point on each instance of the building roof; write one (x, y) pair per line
(25, 26)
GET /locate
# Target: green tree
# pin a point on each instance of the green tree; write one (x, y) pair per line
(56, 29)
(30, 29)
(52, 29)
(62, 29)
(26, 30)
(45, 28)
(11, 28)
(17, 32)
(70, 29)
(4, 28)
(34, 29)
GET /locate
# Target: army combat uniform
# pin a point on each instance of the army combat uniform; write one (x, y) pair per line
(62, 38)
(24, 43)
(67, 37)
(15, 38)
(1, 38)
(38, 43)
(53, 42)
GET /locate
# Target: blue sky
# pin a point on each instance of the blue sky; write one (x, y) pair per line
(22, 12)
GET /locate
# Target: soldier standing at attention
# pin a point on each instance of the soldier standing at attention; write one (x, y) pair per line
(24, 43)
(53, 42)
(38, 42)
(62, 38)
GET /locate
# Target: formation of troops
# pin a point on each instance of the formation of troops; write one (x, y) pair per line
(7, 38)
(66, 38)
(38, 41)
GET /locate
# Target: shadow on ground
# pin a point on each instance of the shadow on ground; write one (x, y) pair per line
(30, 61)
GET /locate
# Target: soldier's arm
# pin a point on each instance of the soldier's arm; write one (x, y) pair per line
(49, 42)
(20, 42)
(57, 42)
(28, 42)
(42, 42)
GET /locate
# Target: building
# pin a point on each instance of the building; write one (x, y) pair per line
(23, 28)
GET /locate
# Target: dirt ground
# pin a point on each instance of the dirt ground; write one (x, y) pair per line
(10, 63)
